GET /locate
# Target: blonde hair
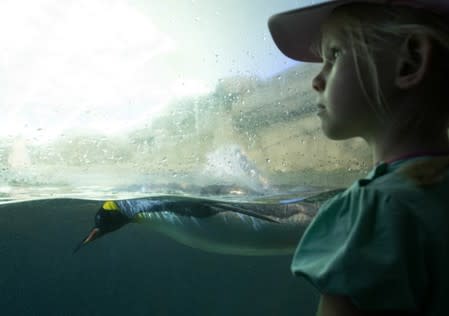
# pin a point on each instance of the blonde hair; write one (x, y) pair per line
(370, 28)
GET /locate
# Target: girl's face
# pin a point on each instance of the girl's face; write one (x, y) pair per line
(344, 109)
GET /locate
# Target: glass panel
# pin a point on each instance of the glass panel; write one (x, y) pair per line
(123, 98)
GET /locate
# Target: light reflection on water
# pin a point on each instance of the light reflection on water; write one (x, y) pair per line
(11, 194)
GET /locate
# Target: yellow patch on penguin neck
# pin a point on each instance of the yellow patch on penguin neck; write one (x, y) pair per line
(110, 206)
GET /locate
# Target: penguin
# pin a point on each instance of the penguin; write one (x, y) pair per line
(225, 227)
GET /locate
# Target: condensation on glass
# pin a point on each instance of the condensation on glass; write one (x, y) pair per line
(102, 98)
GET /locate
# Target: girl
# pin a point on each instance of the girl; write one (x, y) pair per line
(382, 246)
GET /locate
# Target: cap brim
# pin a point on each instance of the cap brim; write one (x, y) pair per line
(295, 31)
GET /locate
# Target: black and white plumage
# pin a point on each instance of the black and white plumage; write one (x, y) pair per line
(238, 228)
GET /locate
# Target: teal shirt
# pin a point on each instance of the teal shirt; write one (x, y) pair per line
(384, 242)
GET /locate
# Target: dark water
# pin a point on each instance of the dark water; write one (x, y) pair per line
(131, 272)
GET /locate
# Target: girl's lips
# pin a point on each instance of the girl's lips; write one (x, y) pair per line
(321, 108)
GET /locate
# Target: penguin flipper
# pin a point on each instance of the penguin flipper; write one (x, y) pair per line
(244, 211)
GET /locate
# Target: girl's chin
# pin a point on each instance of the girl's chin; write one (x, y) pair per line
(334, 132)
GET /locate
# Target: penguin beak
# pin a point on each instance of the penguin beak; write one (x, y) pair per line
(94, 234)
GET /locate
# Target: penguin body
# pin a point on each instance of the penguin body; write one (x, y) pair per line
(229, 230)
(237, 228)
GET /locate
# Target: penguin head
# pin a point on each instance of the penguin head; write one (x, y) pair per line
(107, 219)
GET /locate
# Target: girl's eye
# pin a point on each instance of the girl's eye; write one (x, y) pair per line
(334, 53)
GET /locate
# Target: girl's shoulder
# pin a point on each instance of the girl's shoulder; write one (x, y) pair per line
(417, 189)
(416, 173)
(419, 176)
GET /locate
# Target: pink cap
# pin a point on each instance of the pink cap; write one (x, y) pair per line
(295, 31)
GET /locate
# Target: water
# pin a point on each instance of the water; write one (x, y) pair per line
(132, 271)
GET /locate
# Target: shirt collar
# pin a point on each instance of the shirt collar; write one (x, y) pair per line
(383, 168)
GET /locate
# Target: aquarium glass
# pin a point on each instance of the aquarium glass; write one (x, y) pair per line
(104, 98)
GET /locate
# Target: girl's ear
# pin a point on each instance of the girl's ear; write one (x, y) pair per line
(413, 61)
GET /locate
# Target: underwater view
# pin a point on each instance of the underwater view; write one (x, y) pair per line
(180, 255)
(136, 270)
(157, 158)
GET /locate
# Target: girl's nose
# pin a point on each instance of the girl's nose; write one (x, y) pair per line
(318, 83)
